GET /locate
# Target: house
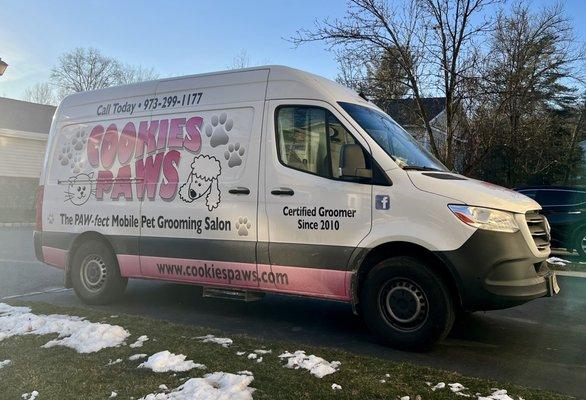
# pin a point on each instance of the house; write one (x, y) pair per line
(24, 129)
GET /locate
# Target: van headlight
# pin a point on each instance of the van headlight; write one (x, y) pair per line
(485, 218)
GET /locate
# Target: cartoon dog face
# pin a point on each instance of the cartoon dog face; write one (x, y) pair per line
(79, 189)
(197, 186)
(203, 179)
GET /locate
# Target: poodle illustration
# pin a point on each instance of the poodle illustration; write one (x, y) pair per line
(79, 189)
(203, 179)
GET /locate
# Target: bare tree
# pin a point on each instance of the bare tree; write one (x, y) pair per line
(41, 93)
(527, 116)
(240, 60)
(413, 31)
(376, 74)
(85, 69)
(453, 52)
(135, 74)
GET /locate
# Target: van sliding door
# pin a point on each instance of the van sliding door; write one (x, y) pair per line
(200, 217)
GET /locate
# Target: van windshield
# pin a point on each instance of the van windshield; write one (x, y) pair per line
(397, 142)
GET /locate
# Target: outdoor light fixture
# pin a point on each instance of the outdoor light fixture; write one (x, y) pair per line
(3, 67)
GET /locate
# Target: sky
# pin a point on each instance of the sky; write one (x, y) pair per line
(172, 37)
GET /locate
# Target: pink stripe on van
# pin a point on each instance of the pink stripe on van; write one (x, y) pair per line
(54, 256)
(325, 283)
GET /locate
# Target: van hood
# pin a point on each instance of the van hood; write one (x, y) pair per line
(472, 192)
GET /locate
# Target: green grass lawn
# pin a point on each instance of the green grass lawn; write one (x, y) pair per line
(61, 373)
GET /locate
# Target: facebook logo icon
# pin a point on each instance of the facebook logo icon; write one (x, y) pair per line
(382, 202)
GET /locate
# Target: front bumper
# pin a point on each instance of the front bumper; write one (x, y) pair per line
(497, 270)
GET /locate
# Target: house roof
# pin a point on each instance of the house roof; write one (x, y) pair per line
(23, 116)
(405, 111)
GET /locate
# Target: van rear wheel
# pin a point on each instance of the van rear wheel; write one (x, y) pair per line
(407, 304)
(95, 274)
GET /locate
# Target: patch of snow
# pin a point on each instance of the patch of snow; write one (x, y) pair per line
(30, 396)
(135, 357)
(5, 363)
(382, 381)
(497, 394)
(405, 398)
(558, 261)
(252, 356)
(224, 342)
(240, 353)
(317, 366)
(165, 361)
(456, 387)
(74, 332)
(139, 342)
(245, 372)
(259, 360)
(440, 385)
(6, 308)
(110, 362)
(163, 387)
(113, 395)
(387, 375)
(261, 351)
(335, 386)
(215, 386)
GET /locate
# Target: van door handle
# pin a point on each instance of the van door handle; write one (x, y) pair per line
(282, 192)
(239, 190)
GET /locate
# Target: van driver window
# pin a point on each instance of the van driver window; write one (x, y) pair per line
(310, 139)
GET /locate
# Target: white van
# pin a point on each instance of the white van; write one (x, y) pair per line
(271, 179)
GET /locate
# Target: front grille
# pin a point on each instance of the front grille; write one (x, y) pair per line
(539, 229)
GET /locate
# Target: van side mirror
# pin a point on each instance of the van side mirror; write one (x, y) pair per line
(352, 162)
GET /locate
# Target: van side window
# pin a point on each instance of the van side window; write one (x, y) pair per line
(311, 139)
(302, 141)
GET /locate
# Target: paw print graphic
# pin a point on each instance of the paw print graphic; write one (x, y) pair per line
(66, 154)
(243, 226)
(79, 140)
(218, 130)
(77, 163)
(234, 155)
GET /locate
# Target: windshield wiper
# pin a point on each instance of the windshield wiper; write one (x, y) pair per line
(419, 168)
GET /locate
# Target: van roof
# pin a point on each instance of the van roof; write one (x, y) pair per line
(282, 82)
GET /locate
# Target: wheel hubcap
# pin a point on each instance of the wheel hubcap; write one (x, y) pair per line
(583, 244)
(93, 273)
(404, 304)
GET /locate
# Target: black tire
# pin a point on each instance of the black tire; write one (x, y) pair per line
(579, 242)
(95, 274)
(406, 304)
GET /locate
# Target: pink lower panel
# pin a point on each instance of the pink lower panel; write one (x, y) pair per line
(129, 265)
(303, 281)
(310, 281)
(55, 257)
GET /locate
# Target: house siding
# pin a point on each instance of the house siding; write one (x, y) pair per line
(20, 157)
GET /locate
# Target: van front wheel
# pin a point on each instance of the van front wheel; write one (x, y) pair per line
(407, 304)
(95, 274)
